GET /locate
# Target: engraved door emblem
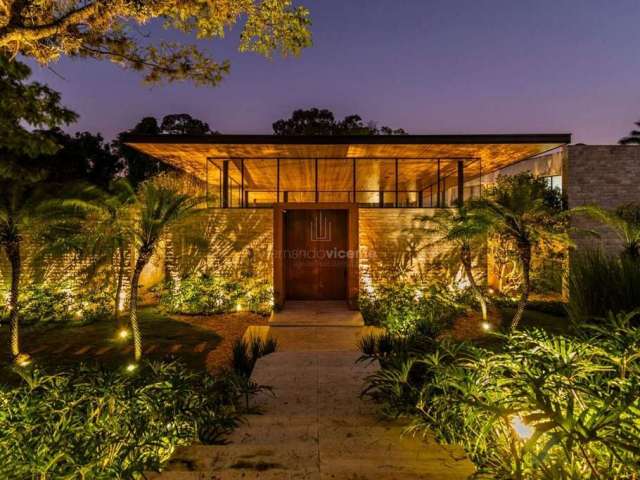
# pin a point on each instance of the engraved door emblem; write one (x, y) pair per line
(320, 228)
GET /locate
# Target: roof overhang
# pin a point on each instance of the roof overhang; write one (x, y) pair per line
(189, 153)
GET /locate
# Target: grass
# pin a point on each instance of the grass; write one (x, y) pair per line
(162, 336)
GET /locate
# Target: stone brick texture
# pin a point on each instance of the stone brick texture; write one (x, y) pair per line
(608, 176)
(394, 246)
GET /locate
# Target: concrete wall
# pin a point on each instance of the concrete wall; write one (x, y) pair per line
(607, 176)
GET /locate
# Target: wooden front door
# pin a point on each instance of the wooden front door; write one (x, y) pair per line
(315, 254)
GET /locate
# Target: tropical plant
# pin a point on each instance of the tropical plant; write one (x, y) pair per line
(525, 210)
(624, 221)
(633, 138)
(210, 294)
(246, 353)
(55, 301)
(45, 30)
(402, 308)
(601, 283)
(90, 422)
(108, 235)
(156, 208)
(545, 407)
(25, 198)
(463, 233)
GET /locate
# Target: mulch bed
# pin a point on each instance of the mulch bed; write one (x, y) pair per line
(229, 326)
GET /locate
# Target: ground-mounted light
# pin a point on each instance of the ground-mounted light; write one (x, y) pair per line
(23, 360)
(132, 367)
(486, 326)
(524, 431)
(238, 307)
(491, 291)
(123, 334)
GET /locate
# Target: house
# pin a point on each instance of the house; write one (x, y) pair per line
(324, 217)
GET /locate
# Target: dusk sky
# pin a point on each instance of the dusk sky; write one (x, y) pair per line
(428, 66)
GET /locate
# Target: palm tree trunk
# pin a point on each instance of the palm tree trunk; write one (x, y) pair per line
(466, 260)
(120, 275)
(12, 249)
(524, 251)
(143, 257)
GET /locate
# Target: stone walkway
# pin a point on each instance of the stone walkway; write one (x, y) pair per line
(317, 427)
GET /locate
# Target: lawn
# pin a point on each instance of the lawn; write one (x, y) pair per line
(201, 342)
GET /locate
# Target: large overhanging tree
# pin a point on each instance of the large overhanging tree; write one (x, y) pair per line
(108, 29)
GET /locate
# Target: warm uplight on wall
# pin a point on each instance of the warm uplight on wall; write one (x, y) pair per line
(486, 326)
(238, 307)
(524, 431)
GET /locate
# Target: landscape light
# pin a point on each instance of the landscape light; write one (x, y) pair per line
(23, 360)
(486, 326)
(123, 334)
(524, 431)
(238, 307)
(131, 367)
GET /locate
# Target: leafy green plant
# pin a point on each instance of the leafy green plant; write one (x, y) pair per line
(62, 302)
(402, 308)
(246, 353)
(209, 294)
(463, 232)
(96, 423)
(601, 283)
(524, 210)
(545, 407)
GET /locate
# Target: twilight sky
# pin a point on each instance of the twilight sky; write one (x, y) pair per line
(428, 66)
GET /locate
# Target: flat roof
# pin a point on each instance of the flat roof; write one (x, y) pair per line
(484, 153)
(214, 139)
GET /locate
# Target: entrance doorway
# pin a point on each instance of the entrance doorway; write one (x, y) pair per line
(315, 254)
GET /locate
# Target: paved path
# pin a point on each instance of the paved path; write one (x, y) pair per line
(317, 427)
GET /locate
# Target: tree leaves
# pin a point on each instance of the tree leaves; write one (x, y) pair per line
(48, 29)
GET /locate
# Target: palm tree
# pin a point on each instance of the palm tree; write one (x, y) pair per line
(29, 206)
(109, 235)
(158, 207)
(463, 231)
(524, 209)
(632, 138)
(624, 221)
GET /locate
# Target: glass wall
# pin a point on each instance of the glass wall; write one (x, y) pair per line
(370, 182)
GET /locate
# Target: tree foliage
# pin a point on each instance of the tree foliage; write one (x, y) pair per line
(524, 210)
(140, 166)
(109, 29)
(633, 138)
(316, 121)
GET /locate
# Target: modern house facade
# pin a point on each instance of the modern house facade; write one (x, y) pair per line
(325, 217)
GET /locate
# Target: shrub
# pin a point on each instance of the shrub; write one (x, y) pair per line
(402, 308)
(95, 423)
(245, 353)
(46, 303)
(545, 407)
(599, 283)
(205, 294)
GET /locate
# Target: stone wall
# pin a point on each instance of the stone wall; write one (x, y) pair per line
(238, 242)
(607, 176)
(394, 246)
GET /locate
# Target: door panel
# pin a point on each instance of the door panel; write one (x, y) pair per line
(315, 254)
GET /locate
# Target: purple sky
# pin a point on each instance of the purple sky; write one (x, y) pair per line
(428, 66)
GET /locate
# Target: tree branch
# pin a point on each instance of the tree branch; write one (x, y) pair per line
(9, 34)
